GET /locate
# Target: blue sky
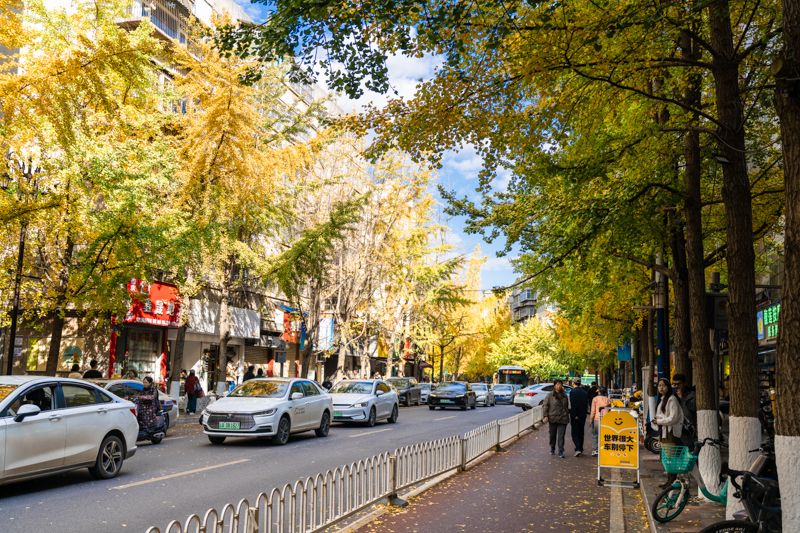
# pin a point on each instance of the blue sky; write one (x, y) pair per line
(459, 170)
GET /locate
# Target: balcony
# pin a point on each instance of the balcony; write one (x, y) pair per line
(168, 16)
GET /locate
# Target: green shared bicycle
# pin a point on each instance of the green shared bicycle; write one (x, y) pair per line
(682, 461)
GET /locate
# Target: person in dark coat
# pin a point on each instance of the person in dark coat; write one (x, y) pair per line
(578, 409)
(555, 411)
(249, 374)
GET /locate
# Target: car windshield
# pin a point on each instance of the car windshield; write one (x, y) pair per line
(399, 383)
(6, 389)
(352, 387)
(261, 389)
(425, 385)
(479, 386)
(503, 388)
(451, 387)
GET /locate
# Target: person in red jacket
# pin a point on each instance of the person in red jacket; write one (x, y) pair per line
(193, 391)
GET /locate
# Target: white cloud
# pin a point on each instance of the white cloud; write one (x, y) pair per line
(498, 264)
(465, 162)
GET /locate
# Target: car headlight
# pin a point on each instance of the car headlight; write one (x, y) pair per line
(362, 404)
(268, 412)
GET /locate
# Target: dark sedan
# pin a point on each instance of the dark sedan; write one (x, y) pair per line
(408, 390)
(452, 394)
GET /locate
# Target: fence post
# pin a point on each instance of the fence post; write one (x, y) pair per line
(497, 446)
(394, 499)
(251, 522)
(463, 465)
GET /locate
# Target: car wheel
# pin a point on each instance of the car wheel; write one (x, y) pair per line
(166, 424)
(432, 407)
(372, 418)
(156, 440)
(464, 407)
(282, 436)
(109, 458)
(324, 425)
(216, 440)
(395, 413)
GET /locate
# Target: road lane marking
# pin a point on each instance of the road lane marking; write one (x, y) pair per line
(444, 418)
(370, 432)
(178, 474)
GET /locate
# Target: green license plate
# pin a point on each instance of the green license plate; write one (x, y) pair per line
(337, 413)
(445, 401)
(229, 425)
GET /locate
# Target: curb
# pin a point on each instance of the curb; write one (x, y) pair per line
(650, 519)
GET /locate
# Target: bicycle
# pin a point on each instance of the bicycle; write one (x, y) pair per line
(760, 497)
(681, 460)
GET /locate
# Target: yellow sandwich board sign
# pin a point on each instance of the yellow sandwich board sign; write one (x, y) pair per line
(618, 443)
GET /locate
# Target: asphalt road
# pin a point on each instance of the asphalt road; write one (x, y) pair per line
(185, 474)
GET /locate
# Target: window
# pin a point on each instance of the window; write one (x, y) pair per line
(119, 389)
(77, 396)
(311, 389)
(104, 398)
(296, 387)
(383, 387)
(42, 397)
(547, 388)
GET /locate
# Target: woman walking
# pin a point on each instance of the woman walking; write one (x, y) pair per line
(193, 391)
(599, 404)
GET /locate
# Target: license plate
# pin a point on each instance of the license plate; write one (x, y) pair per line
(445, 401)
(337, 413)
(229, 425)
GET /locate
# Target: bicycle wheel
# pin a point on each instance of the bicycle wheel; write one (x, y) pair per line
(732, 526)
(669, 503)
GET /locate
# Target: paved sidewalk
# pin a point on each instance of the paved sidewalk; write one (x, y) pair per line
(521, 489)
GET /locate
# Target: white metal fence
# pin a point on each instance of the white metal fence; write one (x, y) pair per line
(314, 503)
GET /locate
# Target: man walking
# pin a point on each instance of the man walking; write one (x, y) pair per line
(578, 409)
(93, 373)
(555, 411)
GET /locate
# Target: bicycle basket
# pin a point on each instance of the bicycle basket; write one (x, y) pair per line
(677, 459)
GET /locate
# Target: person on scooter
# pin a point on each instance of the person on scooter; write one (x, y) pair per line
(148, 405)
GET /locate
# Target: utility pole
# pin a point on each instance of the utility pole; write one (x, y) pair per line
(12, 332)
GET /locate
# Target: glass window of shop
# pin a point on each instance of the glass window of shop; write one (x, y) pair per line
(143, 347)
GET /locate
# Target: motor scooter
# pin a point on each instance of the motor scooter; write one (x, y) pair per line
(150, 415)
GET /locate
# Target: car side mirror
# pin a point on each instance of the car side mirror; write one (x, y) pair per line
(379, 392)
(296, 396)
(25, 411)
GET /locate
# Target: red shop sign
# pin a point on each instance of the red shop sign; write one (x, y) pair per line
(154, 304)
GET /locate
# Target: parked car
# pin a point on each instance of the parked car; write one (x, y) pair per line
(452, 394)
(129, 389)
(364, 400)
(408, 390)
(269, 407)
(534, 395)
(425, 391)
(50, 425)
(503, 393)
(484, 394)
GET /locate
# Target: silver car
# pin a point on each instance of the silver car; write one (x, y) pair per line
(50, 425)
(269, 407)
(364, 400)
(483, 394)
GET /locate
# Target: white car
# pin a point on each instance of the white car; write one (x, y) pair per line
(128, 389)
(269, 407)
(534, 395)
(426, 391)
(364, 400)
(50, 425)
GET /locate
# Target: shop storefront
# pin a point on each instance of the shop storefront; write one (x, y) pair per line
(143, 345)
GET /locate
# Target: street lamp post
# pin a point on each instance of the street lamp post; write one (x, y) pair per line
(12, 332)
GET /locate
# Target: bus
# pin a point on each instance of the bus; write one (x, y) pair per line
(512, 375)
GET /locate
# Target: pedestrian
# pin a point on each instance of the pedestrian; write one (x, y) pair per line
(193, 391)
(593, 391)
(600, 403)
(260, 373)
(555, 411)
(578, 409)
(669, 418)
(249, 374)
(130, 374)
(686, 396)
(75, 373)
(92, 373)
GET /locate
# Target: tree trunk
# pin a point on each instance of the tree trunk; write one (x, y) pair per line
(681, 332)
(224, 334)
(744, 423)
(341, 359)
(60, 309)
(787, 422)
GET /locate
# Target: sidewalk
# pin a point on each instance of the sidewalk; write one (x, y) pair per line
(521, 489)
